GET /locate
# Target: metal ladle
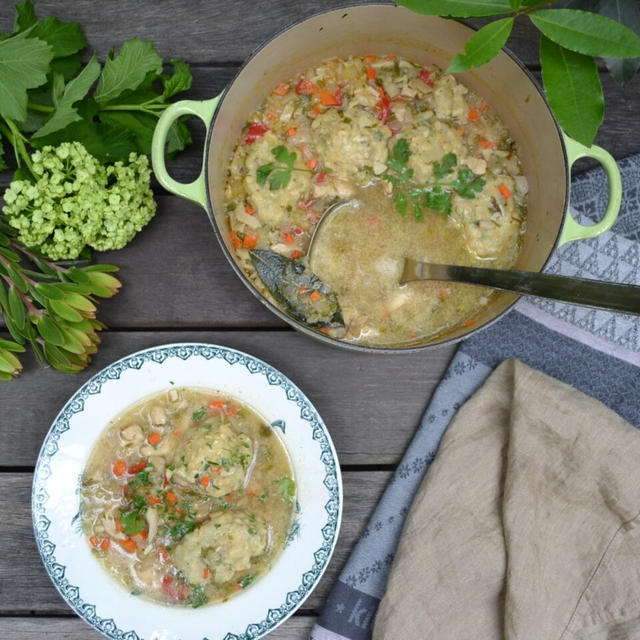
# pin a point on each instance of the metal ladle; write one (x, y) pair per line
(589, 293)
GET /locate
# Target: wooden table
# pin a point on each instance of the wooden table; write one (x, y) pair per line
(179, 287)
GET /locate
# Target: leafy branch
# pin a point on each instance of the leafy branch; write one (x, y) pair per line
(50, 307)
(435, 196)
(571, 38)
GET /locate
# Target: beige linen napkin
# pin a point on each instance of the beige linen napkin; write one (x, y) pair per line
(526, 525)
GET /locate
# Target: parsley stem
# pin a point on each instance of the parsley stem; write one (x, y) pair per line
(149, 108)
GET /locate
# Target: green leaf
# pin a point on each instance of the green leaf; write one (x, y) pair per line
(17, 308)
(141, 125)
(25, 16)
(177, 82)
(24, 63)
(457, 8)
(279, 179)
(75, 90)
(587, 33)
(573, 89)
(178, 138)
(515, 4)
(128, 69)
(65, 38)
(282, 154)
(445, 167)
(50, 331)
(3, 164)
(484, 45)
(65, 311)
(287, 489)
(400, 200)
(401, 151)
(439, 200)
(627, 13)
(467, 184)
(263, 172)
(8, 345)
(68, 67)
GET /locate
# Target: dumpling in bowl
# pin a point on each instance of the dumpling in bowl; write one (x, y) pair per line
(212, 460)
(221, 548)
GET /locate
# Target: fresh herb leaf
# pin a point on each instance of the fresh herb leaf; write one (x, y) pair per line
(573, 89)
(281, 154)
(484, 45)
(264, 171)
(401, 151)
(25, 16)
(467, 184)
(587, 33)
(65, 38)
(198, 597)
(198, 415)
(132, 523)
(245, 581)
(181, 528)
(286, 489)
(458, 8)
(439, 200)
(445, 166)
(400, 201)
(279, 179)
(180, 80)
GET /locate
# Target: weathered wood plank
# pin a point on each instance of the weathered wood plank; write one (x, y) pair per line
(298, 627)
(202, 31)
(26, 589)
(370, 403)
(295, 628)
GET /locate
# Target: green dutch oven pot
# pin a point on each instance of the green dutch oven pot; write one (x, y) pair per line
(546, 153)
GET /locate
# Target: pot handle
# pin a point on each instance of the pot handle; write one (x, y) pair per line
(571, 229)
(204, 109)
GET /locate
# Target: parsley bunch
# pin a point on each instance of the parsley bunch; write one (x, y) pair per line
(435, 196)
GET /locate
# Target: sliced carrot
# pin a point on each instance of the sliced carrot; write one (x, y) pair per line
(128, 545)
(119, 467)
(119, 525)
(235, 241)
(281, 89)
(176, 432)
(154, 439)
(144, 534)
(371, 73)
(154, 500)
(288, 238)
(105, 544)
(231, 411)
(228, 499)
(216, 469)
(237, 587)
(295, 254)
(325, 330)
(163, 553)
(370, 59)
(316, 111)
(484, 107)
(315, 295)
(136, 468)
(216, 405)
(205, 480)
(468, 322)
(271, 115)
(474, 115)
(291, 132)
(250, 241)
(311, 164)
(249, 209)
(93, 541)
(389, 56)
(206, 573)
(171, 497)
(485, 144)
(505, 191)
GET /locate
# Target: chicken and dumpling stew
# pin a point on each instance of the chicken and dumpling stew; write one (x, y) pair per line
(434, 175)
(188, 497)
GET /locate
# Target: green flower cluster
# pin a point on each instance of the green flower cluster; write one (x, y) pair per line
(76, 201)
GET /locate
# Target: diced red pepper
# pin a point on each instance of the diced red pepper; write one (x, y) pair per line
(255, 131)
(319, 178)
(295, 254)
(306, 87)
(425, 76)
(371, 73)
(383, 108)
(136, 468)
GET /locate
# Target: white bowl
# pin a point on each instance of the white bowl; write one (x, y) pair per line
(86, 586)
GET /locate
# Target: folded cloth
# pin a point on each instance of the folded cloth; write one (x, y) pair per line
(595, 351)
(527, 524)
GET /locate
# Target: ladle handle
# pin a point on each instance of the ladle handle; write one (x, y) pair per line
(588, 293)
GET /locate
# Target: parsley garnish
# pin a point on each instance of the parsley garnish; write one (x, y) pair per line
(198, 415)
(181, 528)
(436, 196)
(245, 581)
(278, 174)
(198, 597)
(286, 489)
(132, 518)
